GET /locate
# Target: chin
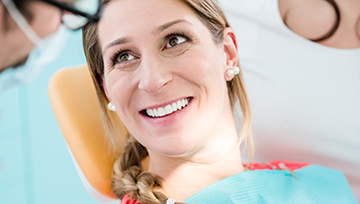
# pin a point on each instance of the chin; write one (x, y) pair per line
(177, 151)
(174, 149)
(174, 153)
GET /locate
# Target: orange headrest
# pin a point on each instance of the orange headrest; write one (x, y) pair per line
(73, 98)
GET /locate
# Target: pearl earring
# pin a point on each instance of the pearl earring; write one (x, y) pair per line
(234, 71)
(111, 107)
(171, 201)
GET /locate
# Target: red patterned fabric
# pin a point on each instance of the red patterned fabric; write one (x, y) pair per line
(292, 166)
(126, 200)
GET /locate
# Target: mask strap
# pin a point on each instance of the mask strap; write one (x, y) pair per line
(21, 21)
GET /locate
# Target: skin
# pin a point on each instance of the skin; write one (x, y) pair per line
(198, 145)
(15, 46)
(314, 18)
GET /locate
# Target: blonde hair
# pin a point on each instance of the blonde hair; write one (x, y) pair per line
(128, 175)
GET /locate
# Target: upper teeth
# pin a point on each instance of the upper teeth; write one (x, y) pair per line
(168, 109)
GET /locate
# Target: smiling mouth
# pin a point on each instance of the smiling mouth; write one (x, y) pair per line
(166, 110)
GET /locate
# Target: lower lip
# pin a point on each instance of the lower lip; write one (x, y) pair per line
(168, 119)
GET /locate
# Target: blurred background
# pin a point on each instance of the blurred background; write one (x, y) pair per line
(35, 165)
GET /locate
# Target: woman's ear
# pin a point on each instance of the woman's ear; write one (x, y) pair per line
(230, 50)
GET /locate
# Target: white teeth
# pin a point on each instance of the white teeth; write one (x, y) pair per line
(174, 107)
(183, 103)
(156, 114)
(149, 112)
(161, 111)
(186, 102)
(168, 109)
(178, 104)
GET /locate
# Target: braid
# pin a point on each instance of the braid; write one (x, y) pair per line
(133, 154)
(128, 176)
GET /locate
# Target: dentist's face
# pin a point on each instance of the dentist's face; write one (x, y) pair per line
(163, 72)
(15, 46)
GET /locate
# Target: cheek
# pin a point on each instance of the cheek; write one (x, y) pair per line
(119, 90)
(202, 67)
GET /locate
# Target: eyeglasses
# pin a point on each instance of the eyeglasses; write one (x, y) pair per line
(78, 13)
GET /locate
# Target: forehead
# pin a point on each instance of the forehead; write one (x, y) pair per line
(135, 17)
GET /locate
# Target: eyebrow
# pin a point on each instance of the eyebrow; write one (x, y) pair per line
(169, 24)
(160, 29)
(119, 41)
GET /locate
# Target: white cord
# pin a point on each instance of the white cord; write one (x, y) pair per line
(21, 22)
(282, 165)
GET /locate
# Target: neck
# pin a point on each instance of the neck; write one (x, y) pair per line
(185, 175)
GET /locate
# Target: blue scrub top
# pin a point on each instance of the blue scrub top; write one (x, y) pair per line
(315, 184)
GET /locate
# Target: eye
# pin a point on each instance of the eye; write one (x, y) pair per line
(173, 41)
(124, 57)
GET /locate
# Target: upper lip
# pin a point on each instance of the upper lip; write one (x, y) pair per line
(164, 104)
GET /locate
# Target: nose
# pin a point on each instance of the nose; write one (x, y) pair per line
(155, 75)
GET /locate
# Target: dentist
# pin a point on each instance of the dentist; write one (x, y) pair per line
(33, 33)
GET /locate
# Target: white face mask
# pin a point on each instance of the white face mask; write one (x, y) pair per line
(45, 51)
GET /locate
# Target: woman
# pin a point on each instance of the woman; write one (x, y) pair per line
(168, 70)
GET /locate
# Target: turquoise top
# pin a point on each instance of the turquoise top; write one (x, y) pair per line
(315, 184)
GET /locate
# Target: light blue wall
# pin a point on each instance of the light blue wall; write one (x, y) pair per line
(35, 165)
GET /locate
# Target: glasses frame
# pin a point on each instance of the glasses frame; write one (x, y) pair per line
(91, 18)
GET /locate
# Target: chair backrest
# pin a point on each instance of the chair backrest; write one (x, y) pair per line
(73, 99)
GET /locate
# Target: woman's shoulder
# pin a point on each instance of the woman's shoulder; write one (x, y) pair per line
(312, 174)
(279, 182)
(301, 168)
(325, 183)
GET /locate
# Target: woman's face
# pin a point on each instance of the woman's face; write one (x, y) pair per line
(164, 73)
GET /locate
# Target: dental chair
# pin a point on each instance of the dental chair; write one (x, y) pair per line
(73, 99)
